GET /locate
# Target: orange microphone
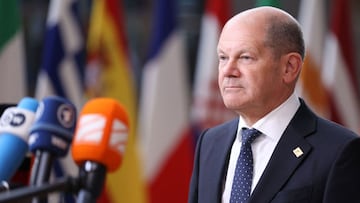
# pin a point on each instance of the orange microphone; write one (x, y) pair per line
(99, 144)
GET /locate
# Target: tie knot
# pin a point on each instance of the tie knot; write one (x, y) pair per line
(249, 135)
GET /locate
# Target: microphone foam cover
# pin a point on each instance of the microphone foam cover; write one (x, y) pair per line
(101, 133)
(15, 125)
(54, 126)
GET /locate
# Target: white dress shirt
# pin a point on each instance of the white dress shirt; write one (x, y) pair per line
(272, 126)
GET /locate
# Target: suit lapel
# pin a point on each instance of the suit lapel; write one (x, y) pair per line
(291, 150)
(219, 157)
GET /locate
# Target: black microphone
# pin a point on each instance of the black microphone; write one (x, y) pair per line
(50, 136)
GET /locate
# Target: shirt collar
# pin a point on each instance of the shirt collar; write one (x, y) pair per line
(274, 123)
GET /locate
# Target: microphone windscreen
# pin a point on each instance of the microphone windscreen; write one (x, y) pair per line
(54, 126)
(101, 133)
(15, 124)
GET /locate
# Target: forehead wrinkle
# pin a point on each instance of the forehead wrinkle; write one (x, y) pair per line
(246, 44)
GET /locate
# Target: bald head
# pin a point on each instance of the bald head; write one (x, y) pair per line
(281, 31)
(262, 12)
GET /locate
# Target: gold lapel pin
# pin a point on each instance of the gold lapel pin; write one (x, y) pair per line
(298, 152)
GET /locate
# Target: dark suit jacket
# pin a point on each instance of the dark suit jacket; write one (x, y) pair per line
(327, 171)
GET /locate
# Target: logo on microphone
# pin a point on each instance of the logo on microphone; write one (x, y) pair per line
(91, 128)
(66, 115)
(119, 136)
(12, 118)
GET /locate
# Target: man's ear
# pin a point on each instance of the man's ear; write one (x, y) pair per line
(293, 64)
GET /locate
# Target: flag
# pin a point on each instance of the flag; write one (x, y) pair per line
(166, 148)
(208, 108)
(311, 86)
(12, 60)
(109, 74)
(62, 66)
(274, 3)
(61, 71)
(339, 73)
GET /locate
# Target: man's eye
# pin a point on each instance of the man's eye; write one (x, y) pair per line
(246, 57)
(222, 58)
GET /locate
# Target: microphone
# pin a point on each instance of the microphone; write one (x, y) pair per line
(15, 124)
(50, 135)
(99, 144)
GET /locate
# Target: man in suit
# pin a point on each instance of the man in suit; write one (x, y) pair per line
(298, 156)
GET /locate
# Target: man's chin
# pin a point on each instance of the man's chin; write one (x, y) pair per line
(233, 104)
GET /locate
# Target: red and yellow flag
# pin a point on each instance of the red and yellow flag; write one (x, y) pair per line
(109, 74)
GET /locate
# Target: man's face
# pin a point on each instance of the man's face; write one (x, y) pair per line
(249, 75)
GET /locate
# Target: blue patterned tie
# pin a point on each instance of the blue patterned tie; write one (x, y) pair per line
(241, 187)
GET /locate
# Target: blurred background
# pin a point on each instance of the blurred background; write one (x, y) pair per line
(157, 58)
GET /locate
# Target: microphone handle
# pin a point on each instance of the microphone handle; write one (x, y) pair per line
(45, 166)
(92, 178)
(35, 168)
(85, 196)
(40, 173)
